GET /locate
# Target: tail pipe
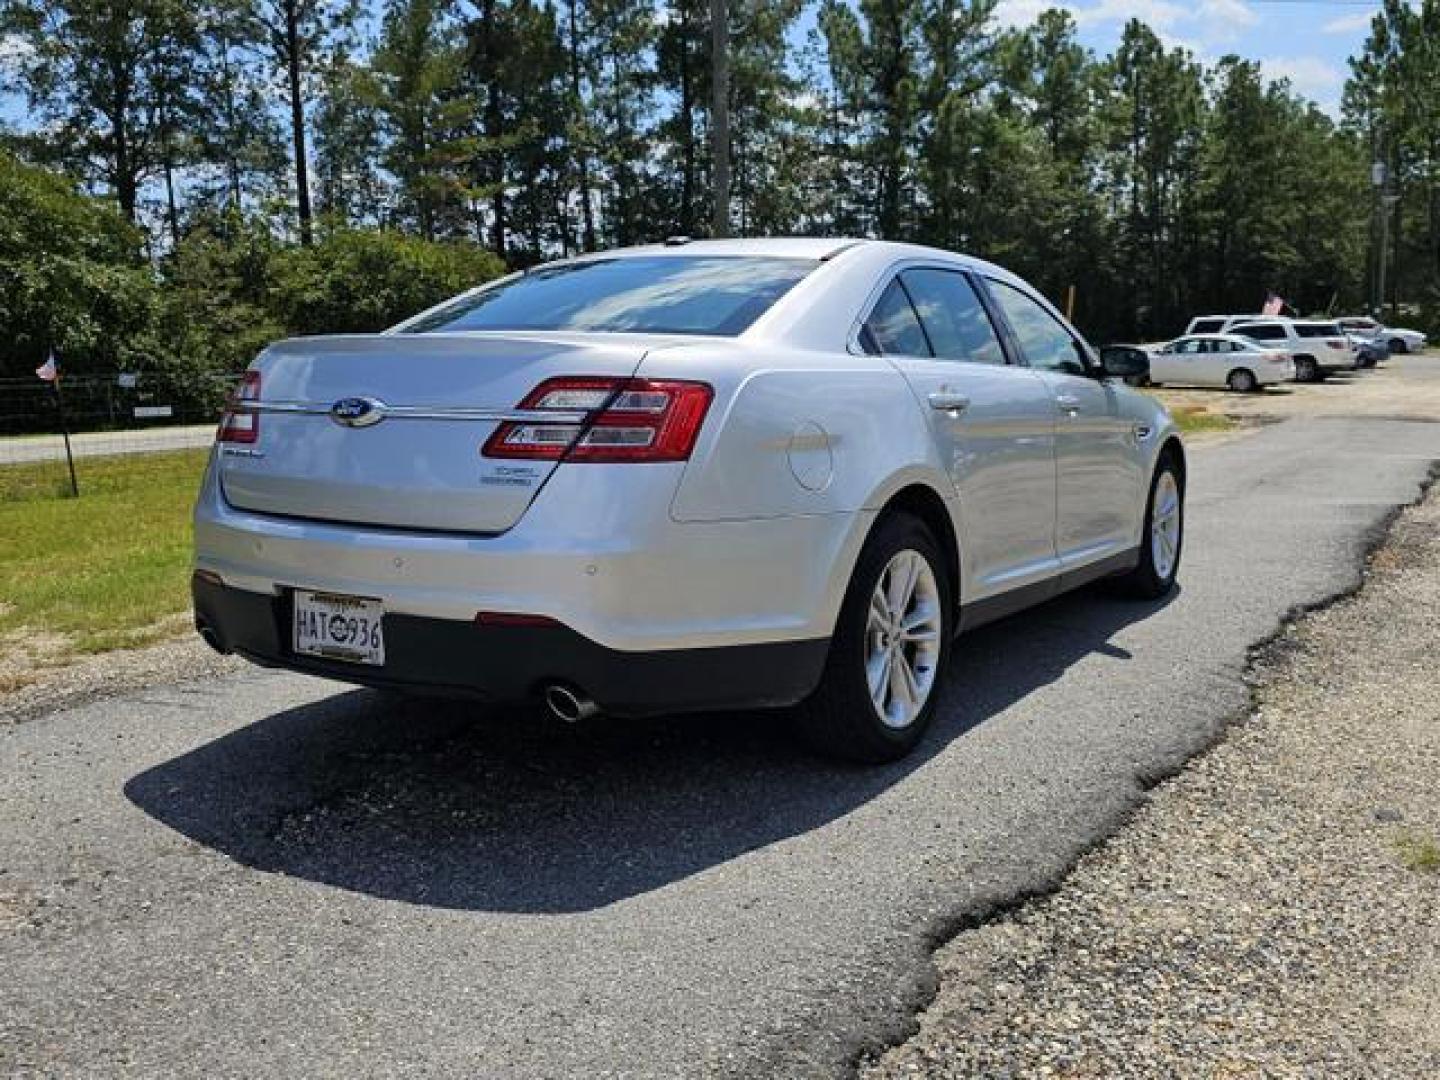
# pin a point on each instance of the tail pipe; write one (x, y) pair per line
(208, 635)
(568, 705)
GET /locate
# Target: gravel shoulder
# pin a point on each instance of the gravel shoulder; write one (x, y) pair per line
(1274, 909)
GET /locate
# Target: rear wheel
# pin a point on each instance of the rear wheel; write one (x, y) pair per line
(1163, 537)
(1306, 369)
(881, 682)
(1242, 381)
(1398, 346)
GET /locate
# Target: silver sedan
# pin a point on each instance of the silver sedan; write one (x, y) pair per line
(697, 475)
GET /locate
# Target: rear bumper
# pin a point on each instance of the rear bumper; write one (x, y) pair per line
(515, 663)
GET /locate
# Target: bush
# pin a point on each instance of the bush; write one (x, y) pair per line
(70, 275)
(361, 282)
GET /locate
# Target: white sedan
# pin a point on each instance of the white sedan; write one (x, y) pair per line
(704, 475)
(1220, 360)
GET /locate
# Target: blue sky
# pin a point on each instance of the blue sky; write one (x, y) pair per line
(1306, 41)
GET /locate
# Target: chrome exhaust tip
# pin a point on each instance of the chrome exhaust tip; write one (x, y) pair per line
(569, 706)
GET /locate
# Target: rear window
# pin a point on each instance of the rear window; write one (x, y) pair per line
(1207, 326)
(660, 294)
(1317, 330)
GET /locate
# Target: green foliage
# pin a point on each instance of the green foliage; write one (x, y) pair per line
(68, 275)
(359, 282)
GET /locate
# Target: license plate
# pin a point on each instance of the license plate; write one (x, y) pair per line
(339, 627)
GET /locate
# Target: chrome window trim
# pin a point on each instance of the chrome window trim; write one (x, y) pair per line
(892, 273)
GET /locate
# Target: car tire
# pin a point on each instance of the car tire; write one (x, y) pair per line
(1398, 346)
(1242, 381)
(844, 718)
(1154, 576)
(1306, 369)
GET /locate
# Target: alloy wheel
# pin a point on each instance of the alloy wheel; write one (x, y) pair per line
(1165, 525)
(902, 638)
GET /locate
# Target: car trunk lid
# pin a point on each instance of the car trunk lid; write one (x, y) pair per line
(387, 429)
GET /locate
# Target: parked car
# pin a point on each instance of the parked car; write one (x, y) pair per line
(705, 475)
(1318, 348)
(1371, 352)
(1215, 324)
(1398, 341)
(1219, 360)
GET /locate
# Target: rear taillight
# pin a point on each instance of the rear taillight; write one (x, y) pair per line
(1338, 343)
(626, 420)
(237, 425)
(1279, 358)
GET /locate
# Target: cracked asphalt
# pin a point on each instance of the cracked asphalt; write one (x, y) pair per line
(261, 874)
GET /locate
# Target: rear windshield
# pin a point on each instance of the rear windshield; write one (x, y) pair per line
(659, 294)
(1317, 329)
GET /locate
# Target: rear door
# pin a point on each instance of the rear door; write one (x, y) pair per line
(1100, 481)
(425, 404)
(992, 421)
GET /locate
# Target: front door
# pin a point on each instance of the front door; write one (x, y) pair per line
(1098, 467)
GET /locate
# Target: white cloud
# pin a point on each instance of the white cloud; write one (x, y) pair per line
(1310, 76)
(1348, 24)
(1191, 26)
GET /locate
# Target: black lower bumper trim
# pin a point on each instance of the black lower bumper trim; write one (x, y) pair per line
(515, 663)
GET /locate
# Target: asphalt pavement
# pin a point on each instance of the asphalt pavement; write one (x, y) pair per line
(268, 875)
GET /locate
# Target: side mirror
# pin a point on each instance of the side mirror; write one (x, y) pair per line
(1124, 361)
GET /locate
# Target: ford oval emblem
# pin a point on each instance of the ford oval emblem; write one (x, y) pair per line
(357, 411)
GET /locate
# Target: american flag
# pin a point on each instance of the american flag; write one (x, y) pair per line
(50, 370)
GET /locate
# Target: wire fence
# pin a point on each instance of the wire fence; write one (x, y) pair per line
(119, 425)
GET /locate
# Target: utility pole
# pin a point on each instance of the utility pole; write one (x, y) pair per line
(1387, 205)
(720, 114)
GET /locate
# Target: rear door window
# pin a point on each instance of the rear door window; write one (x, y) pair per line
(955, 321)
(893, 328)
(1317, 330)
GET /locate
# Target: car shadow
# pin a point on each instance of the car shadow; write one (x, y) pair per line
(426, 803)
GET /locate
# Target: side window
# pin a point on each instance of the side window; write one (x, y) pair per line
(893, 327)
(1045, 343)
(953, 317)
(1188, 347)
(1261, 331)
(1207, 326)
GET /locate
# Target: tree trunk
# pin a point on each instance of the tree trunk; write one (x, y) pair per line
(720, 113)
(582, 151)
(687, 117)
(297, 121)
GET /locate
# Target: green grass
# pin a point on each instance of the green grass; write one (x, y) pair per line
(1419, 853)
(107, 570)
(1194, 421)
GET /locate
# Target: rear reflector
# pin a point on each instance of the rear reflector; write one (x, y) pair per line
(631, 420)
(236, 426)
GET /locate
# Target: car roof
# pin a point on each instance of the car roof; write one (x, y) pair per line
(801, 247)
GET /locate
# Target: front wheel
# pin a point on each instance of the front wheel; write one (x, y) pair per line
(1242, 381)
(881, 682)
(1163, 537)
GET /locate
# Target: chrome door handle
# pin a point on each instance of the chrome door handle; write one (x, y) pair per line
(1069, 404)
(944, 401)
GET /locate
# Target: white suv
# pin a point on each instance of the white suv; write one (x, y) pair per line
(702, 475)
(1319, 348)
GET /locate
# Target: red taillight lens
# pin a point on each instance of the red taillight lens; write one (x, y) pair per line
(237, 426)
(1338, 343)
(633, 420)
